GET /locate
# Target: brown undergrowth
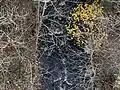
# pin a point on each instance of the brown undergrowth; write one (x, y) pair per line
(18, 67)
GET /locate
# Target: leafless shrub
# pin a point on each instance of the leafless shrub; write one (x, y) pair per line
(107, 61)
(18, 67)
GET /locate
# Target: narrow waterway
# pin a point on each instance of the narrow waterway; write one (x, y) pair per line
(63, 64)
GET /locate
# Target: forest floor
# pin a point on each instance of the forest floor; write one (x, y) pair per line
(33, 38)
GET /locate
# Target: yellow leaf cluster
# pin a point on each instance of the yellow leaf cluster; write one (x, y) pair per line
(117, 82)
(83, 15)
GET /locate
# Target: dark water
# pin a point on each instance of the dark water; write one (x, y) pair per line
(63, 64)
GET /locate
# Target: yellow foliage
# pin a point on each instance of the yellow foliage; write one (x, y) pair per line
(84, 15)
(117, 82)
